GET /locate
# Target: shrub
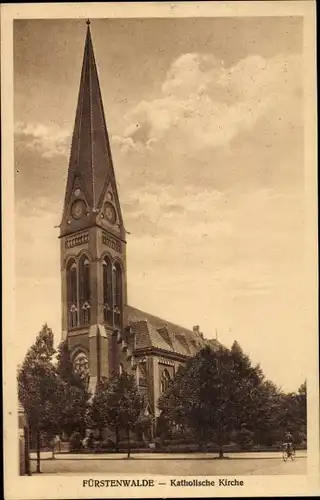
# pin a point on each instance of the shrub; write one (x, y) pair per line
(124, 445)
(75, 442)
(108, 445)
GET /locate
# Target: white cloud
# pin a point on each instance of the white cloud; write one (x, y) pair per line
(190, 73)
(37, 207)
(206, 105)
(48, 141)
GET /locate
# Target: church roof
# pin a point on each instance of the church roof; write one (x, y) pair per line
(90, 157)
(152, 331)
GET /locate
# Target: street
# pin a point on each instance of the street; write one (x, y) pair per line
(196, 464)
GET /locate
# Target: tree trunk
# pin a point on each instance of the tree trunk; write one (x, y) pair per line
(38, 450)
(30, 437)
(220, 440)
(117, 439)
(100, 438)
(200, 444)
(129, 444)
(201, 440)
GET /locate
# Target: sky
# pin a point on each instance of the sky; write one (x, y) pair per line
(205, 117)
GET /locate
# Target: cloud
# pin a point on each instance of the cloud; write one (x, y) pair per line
(226, 246)
(37, 207)
(47, 141)
(205, 105)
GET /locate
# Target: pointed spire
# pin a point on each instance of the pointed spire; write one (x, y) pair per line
(90, 156)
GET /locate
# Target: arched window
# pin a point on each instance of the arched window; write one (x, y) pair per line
(142, 374)
(117, 286)
(120, 369)
(81, 366)
(107, 291)
(72, 299)
(84, 288)
(165, 381)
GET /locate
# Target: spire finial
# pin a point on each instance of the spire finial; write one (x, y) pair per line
(88, 22)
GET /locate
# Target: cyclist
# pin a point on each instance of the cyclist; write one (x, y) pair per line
(288, 442)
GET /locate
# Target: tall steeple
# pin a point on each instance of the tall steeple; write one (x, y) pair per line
(90, 164)
(92, 236)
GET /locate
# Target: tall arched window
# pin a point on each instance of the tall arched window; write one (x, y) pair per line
(165, 381)
(84, 289)
(117, 287)
(107, 291)
(72, 299)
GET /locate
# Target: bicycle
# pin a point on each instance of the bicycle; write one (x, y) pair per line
(288, 452)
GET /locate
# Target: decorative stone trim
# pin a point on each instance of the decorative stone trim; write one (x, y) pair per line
(110, 242)
(142, 359)
(75, 241)
(164, 361)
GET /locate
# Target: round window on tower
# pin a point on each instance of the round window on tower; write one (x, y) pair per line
(78, 209)
(110, 213)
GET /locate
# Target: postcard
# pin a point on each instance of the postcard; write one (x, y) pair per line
(159, 187)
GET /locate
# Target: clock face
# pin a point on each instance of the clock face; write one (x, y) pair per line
(110, 213)
(78, 209)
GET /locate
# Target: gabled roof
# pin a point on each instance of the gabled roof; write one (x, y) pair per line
(152, 331)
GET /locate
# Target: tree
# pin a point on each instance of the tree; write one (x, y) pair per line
(172, 403)
(73, 394)
(213, 394)
(65, 368)
(258, 399)
(163, 428)
(292, 414)
(197, 397)
(243, 437)
(265, 417)
(99, 408)
(53, 397)
(38, 387)
(73, 408)
(301, 411)
(117, 404)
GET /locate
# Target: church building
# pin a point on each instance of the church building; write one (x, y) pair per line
(106, 334)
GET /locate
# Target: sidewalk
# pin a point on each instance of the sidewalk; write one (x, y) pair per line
(163, 456)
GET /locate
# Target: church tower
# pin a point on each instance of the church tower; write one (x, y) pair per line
(92, 237)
